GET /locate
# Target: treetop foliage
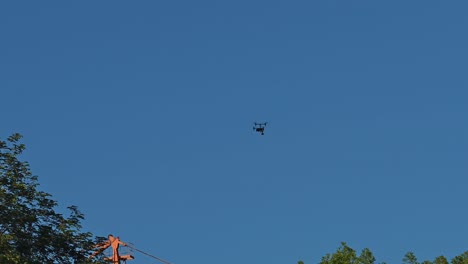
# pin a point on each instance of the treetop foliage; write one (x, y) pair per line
(31, 230)
(346, 255)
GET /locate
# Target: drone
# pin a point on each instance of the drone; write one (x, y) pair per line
(260, 127)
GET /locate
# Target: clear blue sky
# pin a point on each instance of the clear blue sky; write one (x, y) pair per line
(141, 112)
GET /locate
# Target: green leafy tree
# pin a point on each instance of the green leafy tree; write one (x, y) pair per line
(31, 230)
(343, 255)
(346, 255)
(440, 260)
(410, 258)
(461, 259)
(366, 257)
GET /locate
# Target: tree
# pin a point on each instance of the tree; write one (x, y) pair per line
(440, 260)
(461, 259)
(366, 257)
(410, 258)
(343, 255)
(31, 230)
(346, 255)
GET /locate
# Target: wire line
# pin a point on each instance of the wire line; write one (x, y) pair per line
(149, 255)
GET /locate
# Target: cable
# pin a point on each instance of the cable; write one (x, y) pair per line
(149, 255)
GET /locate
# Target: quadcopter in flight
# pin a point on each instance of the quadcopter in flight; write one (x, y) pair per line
(260, 127)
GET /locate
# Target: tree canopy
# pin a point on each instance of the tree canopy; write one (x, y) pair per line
(31, 229)
(346, 255)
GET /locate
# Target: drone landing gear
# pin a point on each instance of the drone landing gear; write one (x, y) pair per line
(260, 128)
